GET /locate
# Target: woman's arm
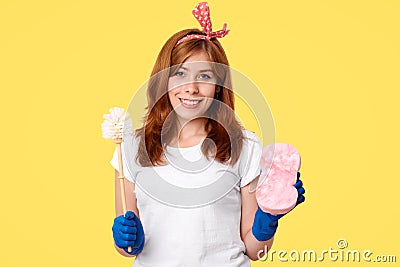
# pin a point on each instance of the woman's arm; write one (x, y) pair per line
(249, 208)
(130, 204)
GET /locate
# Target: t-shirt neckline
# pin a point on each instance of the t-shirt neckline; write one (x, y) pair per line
(186, 148)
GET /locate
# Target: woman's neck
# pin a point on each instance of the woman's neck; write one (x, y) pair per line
(191, 132)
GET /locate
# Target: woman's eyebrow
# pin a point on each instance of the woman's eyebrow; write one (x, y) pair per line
(199, 70)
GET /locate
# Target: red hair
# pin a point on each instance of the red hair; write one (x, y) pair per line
(221, 125)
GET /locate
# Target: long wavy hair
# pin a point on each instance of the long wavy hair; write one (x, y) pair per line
(221, 126)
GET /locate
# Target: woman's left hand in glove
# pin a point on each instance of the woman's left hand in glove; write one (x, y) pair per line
(265, 224)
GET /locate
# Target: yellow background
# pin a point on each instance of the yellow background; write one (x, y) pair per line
(329, 70)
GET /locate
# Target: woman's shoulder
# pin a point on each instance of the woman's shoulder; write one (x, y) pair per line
(251, 144)
(130, 144)
(131, 139)
(250, 137)
(249, 157)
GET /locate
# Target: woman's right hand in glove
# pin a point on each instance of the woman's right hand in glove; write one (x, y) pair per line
(128, 232)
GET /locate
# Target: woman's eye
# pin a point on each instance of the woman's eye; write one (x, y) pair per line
(179, 73)
(204, 76)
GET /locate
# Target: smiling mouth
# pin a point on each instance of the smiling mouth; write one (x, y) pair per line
(188, 102)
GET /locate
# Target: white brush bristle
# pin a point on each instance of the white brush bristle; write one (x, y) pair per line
(116, 124)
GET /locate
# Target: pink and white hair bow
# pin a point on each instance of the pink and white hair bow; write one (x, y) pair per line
(202, 13)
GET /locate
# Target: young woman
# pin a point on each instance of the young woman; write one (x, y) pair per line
(190, 114)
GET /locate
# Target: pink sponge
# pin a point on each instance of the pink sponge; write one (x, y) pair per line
(275, 192)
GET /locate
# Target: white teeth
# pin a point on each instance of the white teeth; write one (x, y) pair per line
(190, 102)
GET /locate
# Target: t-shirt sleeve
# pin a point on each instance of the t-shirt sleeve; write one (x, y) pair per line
(250, 158)
(129, 148)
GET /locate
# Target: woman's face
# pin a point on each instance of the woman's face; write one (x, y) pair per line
(191, 88)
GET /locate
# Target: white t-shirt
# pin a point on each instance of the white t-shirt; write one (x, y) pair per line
(190, 209)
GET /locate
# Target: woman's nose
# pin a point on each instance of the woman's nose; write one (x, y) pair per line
(191, 88)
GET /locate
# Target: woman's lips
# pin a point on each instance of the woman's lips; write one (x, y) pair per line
(190, 104)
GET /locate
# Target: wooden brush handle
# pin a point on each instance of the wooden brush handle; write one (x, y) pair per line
(121, 179)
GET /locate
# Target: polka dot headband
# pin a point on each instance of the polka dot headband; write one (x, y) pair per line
(202, 13)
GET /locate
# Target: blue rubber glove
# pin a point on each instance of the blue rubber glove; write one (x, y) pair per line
(128, 232)
(265, 224)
